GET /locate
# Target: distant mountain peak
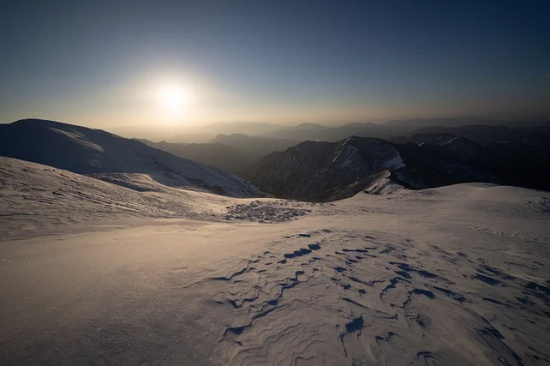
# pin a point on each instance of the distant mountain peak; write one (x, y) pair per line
(311, 125)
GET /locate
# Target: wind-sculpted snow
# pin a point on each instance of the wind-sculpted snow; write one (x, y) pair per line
(372, 298)
(450, 276)
(37, 199)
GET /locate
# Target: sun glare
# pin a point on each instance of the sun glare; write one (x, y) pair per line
(174, 100)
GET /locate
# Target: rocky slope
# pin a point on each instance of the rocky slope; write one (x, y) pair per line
(320, 171)
(325, 171)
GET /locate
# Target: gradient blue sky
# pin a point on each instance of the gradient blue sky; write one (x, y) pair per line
(96, 62)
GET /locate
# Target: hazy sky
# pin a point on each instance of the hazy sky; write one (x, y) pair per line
(106, 63)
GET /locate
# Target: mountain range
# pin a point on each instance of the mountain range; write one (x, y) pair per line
(286, 168)
(331, 133)
(321, 171)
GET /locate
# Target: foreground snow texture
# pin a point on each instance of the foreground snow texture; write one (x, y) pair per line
(451, 276)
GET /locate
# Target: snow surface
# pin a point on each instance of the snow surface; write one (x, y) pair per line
(87, 151)
(96, 273)
(383, 184)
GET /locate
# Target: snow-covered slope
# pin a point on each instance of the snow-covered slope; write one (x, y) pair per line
(38, 199)
(87, 151)
(450, 276)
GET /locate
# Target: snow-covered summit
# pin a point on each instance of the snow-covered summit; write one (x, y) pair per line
(90, 151)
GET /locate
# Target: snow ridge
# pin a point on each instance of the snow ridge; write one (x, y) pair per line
(87, 151)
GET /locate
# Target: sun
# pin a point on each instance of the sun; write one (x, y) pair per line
(172, 97)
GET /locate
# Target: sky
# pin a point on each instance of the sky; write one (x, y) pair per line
(184, 63)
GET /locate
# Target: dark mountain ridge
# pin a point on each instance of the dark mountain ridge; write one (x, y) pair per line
(319, 171)
(323, 171)
(312, 170)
